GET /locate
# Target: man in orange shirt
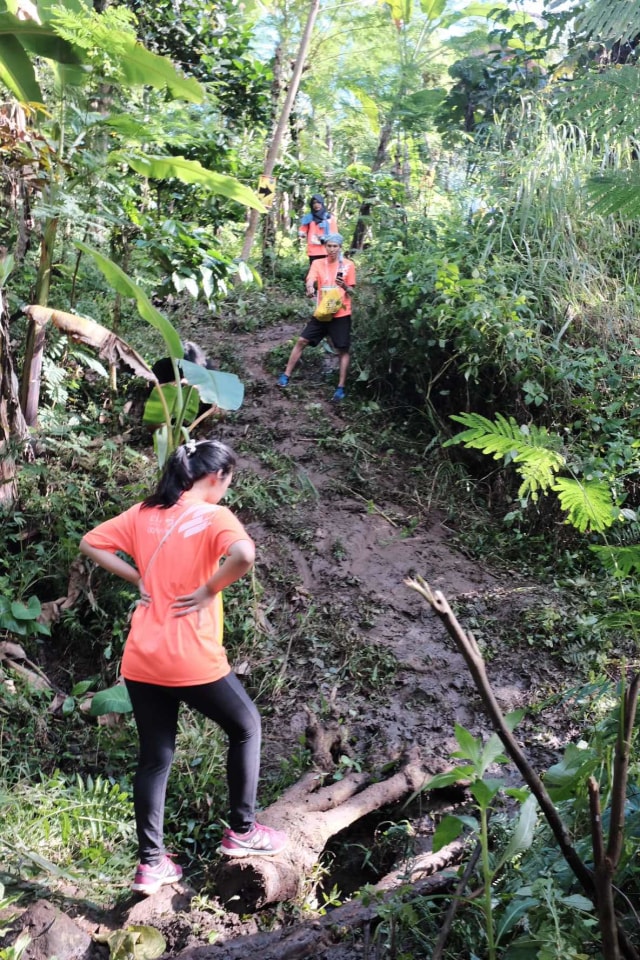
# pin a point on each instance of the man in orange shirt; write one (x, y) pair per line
(332, 271)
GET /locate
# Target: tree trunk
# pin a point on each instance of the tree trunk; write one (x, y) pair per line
(310, 814)
(34, 348)
(276, 140)
(365, 208)
(13, 429)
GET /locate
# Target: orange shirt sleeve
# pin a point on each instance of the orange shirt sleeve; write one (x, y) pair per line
(115, 534)
(228, 530)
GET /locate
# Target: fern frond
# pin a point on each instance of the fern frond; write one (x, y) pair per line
(589, 504)
(532, 449)
(538, 468)
(502, 437)
(620, 562)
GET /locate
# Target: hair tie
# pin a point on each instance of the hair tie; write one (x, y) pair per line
(190, 447)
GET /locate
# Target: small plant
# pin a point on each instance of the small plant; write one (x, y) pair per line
(485, 791)
(172, 407)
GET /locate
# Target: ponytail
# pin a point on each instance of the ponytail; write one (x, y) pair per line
(189, 463)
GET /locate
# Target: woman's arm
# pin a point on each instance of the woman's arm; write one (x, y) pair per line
(239, 560)
(111, 562)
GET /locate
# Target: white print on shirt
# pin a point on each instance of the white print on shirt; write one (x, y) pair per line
(197, 522)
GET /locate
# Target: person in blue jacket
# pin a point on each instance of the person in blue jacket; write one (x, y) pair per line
(316, 226)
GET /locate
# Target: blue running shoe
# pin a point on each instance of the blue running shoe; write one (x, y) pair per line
(283, 380)
(338, 395)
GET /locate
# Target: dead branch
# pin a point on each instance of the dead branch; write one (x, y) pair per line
(467, 646)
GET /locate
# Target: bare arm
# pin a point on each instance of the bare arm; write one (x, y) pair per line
(111, 562)
(116, 565)
(239, 560)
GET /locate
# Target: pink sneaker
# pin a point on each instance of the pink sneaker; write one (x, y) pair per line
(260, 841)
(149, 879)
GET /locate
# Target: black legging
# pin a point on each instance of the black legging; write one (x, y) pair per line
(155, 709)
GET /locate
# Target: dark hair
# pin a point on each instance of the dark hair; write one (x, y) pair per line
(189, 463)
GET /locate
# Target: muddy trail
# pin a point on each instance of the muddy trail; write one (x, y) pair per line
(344, 522)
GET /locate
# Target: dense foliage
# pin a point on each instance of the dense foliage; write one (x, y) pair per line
(487, 171)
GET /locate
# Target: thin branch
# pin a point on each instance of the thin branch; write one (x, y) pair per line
(596, 887)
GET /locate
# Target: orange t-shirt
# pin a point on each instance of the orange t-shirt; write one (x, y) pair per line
(162, 648)
(313, 231)
(324, 273)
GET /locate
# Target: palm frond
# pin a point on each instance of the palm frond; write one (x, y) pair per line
(616, 192)
(614, 20)
(609, 101)
(588, 504)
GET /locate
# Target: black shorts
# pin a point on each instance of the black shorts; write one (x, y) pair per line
(339, 329)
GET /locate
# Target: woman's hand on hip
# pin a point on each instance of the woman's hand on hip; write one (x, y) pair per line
(192, 602)
(145, 596)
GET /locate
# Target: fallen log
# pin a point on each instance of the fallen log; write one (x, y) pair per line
(318, 938)
(310, 812)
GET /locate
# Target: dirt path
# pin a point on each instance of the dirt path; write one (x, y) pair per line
(358, 550)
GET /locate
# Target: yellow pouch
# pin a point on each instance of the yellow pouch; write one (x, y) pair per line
(329, 303)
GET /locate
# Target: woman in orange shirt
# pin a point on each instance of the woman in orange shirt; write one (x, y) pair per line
(315, 227)
(176, 538)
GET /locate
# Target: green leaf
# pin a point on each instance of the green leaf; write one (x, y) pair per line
(162, 445)
(532, 449)
(432, 8)
(485, 790)
(136, 942)
(607, 20)
(564, 777)
(41, 40)
(142, 68)
(224, 390)
(16, 71)
(515, 910)
(191, 171)
(577, 902)
(620, 562)
(448, 830)
(513, 718)
(450, 776)
(617, 192)
(120, 282)
(31, 611)
(522, 837)
(370, 108)
(588, 503)
(491, 752)
(114, 700)
(68, 706)
(470, 746)
(154, 411)
(80, 688)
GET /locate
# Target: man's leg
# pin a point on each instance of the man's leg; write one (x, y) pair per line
(345, 359)
(295, 355)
